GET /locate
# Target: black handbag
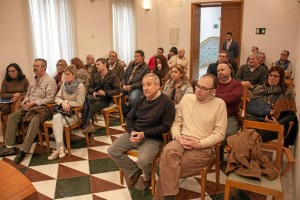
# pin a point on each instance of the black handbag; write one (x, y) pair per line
(260, 108)
(59, 109)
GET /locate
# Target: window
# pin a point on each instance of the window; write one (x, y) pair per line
(52, 31)
(123, 28)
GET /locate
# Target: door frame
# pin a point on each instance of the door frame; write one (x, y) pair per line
(195, 28)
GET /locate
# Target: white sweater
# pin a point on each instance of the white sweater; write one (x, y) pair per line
(205, 121)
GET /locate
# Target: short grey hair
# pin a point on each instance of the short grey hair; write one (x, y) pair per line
(44, 62)
(154, 77)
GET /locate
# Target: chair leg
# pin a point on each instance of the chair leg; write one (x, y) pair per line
(121, 177)
(121, 116)
(40, 138)
(68, 140)
(227, 191)
(87, 139)
(153, 170)
(106, 118)
(3, 126)
(46, 132)
(203, 183)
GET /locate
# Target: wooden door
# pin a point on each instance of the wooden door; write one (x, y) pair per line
(231, 19)
(195, 42)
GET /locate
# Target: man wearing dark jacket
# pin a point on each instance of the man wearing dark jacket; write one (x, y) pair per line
(132, 79)
(152, 116)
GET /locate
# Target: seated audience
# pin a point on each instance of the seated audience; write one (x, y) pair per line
(103, 86)
(231, 92)
(161, 68)
(70, 95)
(59, 75)
(200, 123)
(222, 58)
(34, 111)
(286, 64)
(13, 86)
(252, 74)
(180, 59)
(152, 60)
(254, 49)
(173, 51)
(132, 79)
(90, 64)
(146, 122)
(262, 59)
(82, 74)
(283, 110)
(178, 85)
(115, 65)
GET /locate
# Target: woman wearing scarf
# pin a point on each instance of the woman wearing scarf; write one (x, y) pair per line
(283, 108)
(71, 94)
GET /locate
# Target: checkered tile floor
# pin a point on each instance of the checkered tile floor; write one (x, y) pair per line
(90, 174)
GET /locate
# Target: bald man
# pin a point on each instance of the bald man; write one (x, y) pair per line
(180, 59)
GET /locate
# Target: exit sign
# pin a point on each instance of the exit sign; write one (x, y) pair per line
(260, 31)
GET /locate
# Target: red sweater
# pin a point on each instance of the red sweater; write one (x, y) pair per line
(231, 93)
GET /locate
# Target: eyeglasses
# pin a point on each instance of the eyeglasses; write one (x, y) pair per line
(274, 75)
(201, 88)
(11, 71)
(283, 54)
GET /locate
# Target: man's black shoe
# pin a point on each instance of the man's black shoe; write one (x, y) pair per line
(8, 151)
(20, 157)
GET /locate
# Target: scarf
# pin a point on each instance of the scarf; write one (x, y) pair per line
(71, 88)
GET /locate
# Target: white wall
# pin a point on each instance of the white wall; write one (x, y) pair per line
(93, 28)
(209, 17)
(281, 23)
(297, 146)
(14, 38)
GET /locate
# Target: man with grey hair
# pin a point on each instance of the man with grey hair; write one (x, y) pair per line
(252, 74)
(115, 65)
(180, 59)
(41, 92)
(90, 65)
(149, 118)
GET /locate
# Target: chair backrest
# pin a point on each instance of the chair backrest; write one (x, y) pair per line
(277, 129)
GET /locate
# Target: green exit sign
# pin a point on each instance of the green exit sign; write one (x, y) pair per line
(260, 31)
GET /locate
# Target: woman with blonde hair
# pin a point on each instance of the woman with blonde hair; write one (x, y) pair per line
(59, 75)
(71, 94)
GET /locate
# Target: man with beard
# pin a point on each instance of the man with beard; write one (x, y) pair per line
(230, 91)
(41, 92)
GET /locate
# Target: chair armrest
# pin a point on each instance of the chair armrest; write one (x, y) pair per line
(124, 126)
(290, 158)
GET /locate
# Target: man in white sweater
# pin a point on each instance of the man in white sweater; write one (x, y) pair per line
(200, 123)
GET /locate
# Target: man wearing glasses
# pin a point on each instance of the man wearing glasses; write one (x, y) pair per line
(286, 64)
(200, 123)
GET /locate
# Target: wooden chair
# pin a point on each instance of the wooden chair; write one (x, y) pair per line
(135, 153)
(244, 100)
(15, 106)
(14, 184)
(113, 107)
(67, 130)
(263, 186)
(208, 169)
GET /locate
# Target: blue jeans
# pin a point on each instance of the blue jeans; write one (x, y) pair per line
(134, 96)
